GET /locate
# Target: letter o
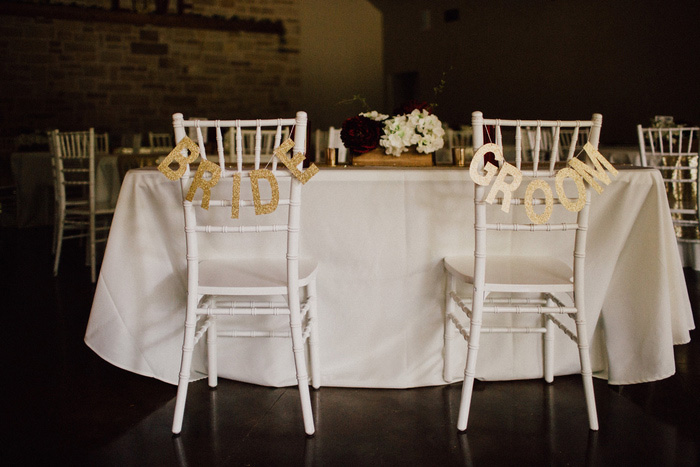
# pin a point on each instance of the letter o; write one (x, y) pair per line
(549, 201)
(580, 187)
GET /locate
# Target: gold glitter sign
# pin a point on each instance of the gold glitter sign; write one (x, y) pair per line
(577, 171)
(176, 156)
(270, 207)
(291, 164)
(204, 183)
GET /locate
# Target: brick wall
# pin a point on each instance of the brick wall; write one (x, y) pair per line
(120, 77)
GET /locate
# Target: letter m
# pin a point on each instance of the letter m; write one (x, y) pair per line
(597, 172)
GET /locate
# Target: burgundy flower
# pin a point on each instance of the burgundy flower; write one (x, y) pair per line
(412, 105)
(360, 134)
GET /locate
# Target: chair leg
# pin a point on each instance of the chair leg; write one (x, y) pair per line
(185, 368)
(300, 363)
(586, 372)
(212, 357)
(59, 241)
(470, 369)
(548, 349)
(548, 346)
(468, 384)
(313, 337)
(56, 220)
(93, 265)
(449, 330)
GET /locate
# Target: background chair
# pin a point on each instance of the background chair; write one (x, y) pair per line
(334, 141)
(261, 286)
(254, 148)
(162, 142)
(461, 138)
(320, 145)
(77, 213)
(101, 144)
(538, 140)
(566, 134)
(536, 285)
(674, 152)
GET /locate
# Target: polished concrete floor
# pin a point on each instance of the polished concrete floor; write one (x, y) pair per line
(66, 406)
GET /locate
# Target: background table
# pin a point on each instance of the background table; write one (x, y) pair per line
(380, 236)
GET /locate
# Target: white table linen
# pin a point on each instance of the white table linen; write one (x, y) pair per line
(380, 236)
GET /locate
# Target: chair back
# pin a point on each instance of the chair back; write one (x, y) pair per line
(535, 137)
(334, 141)
(567, 134)
(461, 138)
(543, 214)
(160, 140)
(320, 145)
(74, 166)
(101, 144)
(680, 143)
(239, 211)
(494, 130)
(255, 144)
(674, 152)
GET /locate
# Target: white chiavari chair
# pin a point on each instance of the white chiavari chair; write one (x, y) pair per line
(674, 152)
(160, 141)
(101, 144)
(566, 135)
(461, 138)
(245, 297)
(78, 214)
(254, 148)
(535, 292)
(538, 140)
(334, 141)
(320, 145)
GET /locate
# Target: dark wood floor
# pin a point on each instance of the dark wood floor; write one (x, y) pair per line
(65, 405)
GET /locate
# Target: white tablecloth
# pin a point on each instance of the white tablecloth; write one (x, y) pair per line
(380, 236)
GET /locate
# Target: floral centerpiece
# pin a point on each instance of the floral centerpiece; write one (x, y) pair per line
(414, 129)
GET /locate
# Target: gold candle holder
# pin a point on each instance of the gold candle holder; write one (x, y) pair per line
(459, 156)
(331, 156)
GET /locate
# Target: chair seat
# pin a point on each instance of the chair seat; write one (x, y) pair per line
(260, 276)
(516, 273)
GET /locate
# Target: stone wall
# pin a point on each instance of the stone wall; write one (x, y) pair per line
(122, 77)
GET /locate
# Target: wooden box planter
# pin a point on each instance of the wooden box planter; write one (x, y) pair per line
(377, 158)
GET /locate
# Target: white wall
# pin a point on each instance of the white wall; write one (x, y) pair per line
(341, 56)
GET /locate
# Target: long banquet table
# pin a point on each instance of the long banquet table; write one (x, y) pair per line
(379, 236)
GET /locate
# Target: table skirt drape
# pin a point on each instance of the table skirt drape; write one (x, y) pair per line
(379, 237)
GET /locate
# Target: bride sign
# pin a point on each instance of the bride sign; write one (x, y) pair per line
(206, 184)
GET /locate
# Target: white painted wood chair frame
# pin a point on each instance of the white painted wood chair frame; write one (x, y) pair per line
(73, 157)
(483, 271)
(255, 145)
(674, 152)
(224, 287)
